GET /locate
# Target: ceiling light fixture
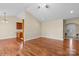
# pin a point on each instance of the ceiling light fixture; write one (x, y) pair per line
(4, 20)
(43, 6)
(72, 11)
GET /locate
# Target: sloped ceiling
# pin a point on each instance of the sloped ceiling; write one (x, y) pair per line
(55, 10)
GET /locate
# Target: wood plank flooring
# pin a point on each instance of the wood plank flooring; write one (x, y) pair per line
(39, 47)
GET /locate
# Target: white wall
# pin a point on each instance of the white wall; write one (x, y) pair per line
(76, 21)
(34, 29)
(8, 30)
(53, 29)
(31, 26)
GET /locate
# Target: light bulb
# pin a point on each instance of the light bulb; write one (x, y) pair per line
(72, 11)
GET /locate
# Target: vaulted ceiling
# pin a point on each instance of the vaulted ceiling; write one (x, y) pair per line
(54, 10)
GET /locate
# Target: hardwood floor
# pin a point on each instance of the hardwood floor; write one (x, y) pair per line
(43, 47)
(39, 47)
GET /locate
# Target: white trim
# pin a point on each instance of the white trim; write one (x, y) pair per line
(31, 38)
(53, 38)
(43, 37)
(7, 38)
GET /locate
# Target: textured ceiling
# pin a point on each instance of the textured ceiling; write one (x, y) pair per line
(55, 10)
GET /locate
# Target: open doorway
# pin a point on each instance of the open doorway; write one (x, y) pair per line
(71, 35)
(71, 28)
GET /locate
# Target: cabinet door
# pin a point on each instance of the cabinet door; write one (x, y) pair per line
(18, 25)
(19, 36)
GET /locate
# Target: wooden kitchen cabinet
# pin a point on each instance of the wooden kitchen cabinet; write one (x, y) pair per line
(20, 31)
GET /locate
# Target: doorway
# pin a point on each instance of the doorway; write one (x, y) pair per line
(71, 30)
(71, 35)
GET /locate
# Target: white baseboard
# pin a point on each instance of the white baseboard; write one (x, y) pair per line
(3, 38)
(44, 37)
(53, 38)
(32, 38)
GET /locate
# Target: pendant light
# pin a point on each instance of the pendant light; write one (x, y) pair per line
(4, 20)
